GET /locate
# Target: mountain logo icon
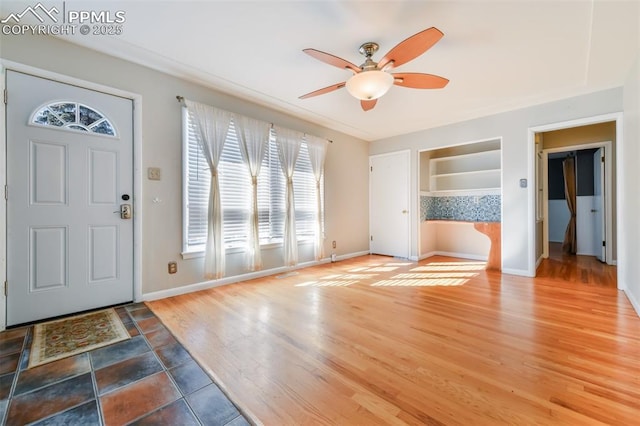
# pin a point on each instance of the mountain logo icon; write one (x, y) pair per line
(38, 11)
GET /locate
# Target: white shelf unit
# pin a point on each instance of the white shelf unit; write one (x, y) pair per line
(478, 171)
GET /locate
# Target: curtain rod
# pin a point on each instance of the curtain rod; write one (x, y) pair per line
(181, 100)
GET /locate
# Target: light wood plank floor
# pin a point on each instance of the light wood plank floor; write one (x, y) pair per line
(574, 268)
(377, 340)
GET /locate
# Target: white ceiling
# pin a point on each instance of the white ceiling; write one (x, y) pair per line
(497, 55)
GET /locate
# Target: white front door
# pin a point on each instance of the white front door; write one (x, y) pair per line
(599, 205)
(69, 170)
(389, 189)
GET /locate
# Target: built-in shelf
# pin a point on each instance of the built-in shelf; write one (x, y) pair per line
(465, 173)
(453, 192)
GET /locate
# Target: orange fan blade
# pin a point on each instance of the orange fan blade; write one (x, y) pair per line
(332, 60)
(417, 80)
(411, 48)
(324, 90)
(368, 105)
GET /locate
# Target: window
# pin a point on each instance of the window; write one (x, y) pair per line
(73, 116)
(235, 193)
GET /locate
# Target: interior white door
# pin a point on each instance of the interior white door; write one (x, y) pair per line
(68, 248)
(599, 205)
(389, 204)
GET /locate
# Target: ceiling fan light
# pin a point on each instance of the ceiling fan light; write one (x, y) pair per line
(369, 85)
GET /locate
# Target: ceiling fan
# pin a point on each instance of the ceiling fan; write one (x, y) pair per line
(371, 80)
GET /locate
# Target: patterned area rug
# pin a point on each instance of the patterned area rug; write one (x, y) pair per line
(66, 337)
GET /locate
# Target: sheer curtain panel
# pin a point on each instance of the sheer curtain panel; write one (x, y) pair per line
(570, 245)
(289, 142)
(213, 125)
(253, 139)
(317, 148)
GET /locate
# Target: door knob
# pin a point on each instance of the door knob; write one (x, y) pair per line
(125, 211)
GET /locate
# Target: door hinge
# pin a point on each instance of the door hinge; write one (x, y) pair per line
(372, 238)
(602, 158)
(371, 168)
(6, 192)
(5, 96)
(6, 286)
(604, 244)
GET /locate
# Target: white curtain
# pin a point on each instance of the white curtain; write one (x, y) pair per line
(213, 125)
(253, 139)
(317, 148)
(289, 142)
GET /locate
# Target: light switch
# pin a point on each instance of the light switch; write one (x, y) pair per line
(153, 173)
(523, 183)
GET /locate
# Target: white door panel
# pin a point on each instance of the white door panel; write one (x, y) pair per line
(48, 258)
(389, 204)
(599, 205)
(67, 249)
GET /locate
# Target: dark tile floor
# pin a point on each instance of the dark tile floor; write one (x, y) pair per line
(149, 379)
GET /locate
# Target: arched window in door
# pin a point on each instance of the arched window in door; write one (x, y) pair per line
(69, 115)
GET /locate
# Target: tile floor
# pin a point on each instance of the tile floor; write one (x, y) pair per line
(147, 380)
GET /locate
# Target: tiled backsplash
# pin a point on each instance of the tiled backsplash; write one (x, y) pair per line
(481, 208)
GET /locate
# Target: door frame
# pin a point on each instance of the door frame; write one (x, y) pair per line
(608, 220)
(137, 170)
(617, 117)
(407, 154)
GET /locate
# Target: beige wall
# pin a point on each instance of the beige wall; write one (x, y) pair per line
(346, 173)
(459, 239)
(425, 181)
(593, 133)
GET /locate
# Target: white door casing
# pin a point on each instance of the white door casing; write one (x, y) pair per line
(389, 189)
(68, 249)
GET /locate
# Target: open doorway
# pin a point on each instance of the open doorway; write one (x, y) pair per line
(587, 201)
(592, 148)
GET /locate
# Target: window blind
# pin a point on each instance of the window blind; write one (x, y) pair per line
(235, 193)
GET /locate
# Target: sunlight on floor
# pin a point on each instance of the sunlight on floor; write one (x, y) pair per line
(348, 276)
(428, 275)
(435, 274)
(421, 282)
(327, 283)
(382, 269)
(451, 266)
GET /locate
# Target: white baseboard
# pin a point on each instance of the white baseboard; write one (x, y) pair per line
(452, 254)
(426, 255)
(520, 272)
(190, 288)
(460, 255)
(351, 255)
(633, 300)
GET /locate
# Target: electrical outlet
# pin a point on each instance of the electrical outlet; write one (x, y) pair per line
(173, 267)
(153, 173)
(333, 244)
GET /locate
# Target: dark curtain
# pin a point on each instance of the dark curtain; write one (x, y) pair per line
(569, 168)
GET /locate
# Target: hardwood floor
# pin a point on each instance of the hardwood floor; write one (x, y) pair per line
(377, 340)
(574, 268)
